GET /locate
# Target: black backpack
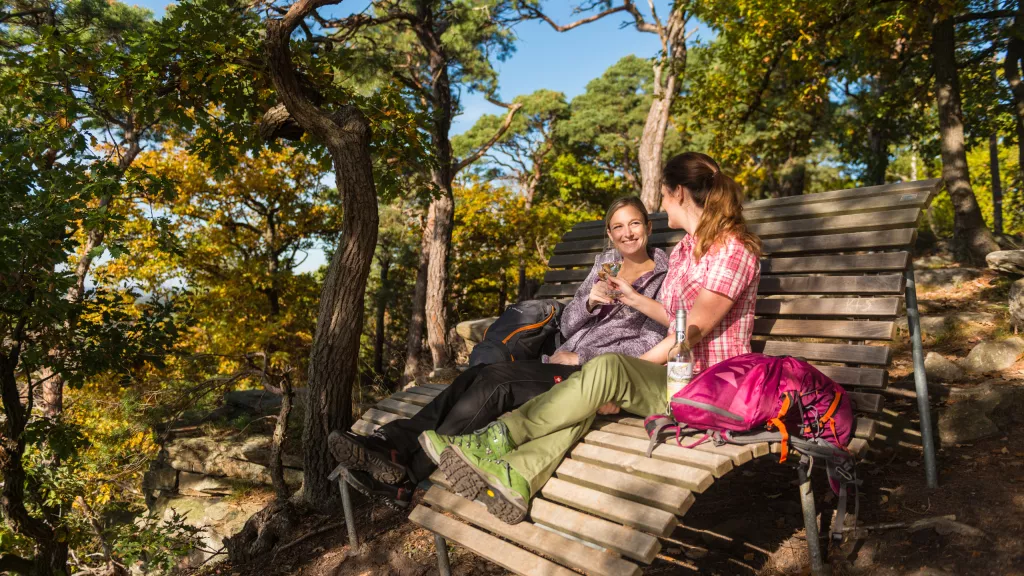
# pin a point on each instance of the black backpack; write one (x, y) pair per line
(524, 331)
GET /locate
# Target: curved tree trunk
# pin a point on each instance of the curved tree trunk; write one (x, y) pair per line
(971, 239)
(1012, 71)
(667, 73)
(436, 309)
(332, 364)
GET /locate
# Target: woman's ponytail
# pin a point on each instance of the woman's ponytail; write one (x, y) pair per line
(718, 194)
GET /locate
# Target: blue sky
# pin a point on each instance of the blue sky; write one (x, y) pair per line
(544, 58)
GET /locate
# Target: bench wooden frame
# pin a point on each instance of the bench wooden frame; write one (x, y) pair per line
(837, 267)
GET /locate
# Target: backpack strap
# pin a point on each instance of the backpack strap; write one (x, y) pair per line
(654, 425)
(777, 423)
(844, 475)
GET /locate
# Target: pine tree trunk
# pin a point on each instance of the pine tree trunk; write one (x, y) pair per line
(971, 239)
(382, 305)
(332, 365)
(1012, 72)
(417, 318)
(878, 159)
(437, 280)
(997, 186)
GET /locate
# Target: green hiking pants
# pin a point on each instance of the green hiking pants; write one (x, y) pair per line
(548, 425)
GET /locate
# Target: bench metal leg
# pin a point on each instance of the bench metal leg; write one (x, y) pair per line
(803, 471)
(920, 380)
(443, 566)
(341, 475)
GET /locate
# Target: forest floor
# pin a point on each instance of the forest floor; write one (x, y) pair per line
(762, 532)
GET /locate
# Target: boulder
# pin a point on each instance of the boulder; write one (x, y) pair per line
(472, 331)
(241, 460)
(994, 356)
(191, 484)
(1008, 261)
(940, 276)
(939, 368)
(1017, 303)
(964, 422)
(160, 479)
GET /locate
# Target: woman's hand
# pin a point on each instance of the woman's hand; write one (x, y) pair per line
(626, 294)
(598, 295)
(567, 358)
(609, 408)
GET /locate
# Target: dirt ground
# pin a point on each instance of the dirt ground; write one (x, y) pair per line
(750, 521)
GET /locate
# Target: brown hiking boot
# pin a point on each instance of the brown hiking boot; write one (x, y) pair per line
(371, 454)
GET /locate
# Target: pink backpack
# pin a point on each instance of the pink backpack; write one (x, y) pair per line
(752, 392)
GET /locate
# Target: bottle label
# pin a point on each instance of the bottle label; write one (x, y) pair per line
(679, 375)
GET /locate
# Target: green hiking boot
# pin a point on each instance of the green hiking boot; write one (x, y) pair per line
(491, 481)
(433, 445)
(491, 441)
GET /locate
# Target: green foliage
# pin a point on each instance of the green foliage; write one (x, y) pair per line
(156, 545)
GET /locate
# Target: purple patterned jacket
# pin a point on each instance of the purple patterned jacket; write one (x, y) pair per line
(613, 328)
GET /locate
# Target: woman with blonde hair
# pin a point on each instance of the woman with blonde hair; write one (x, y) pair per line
(713, 275)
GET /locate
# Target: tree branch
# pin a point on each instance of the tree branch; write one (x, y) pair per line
(990, 15)
(536, 14)
(473, 157)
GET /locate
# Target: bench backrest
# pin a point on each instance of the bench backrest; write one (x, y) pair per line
(832, 276)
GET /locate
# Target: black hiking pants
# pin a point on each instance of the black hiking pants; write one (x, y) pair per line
(475, 399)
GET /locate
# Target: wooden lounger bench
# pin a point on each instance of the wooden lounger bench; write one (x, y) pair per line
(837, 271)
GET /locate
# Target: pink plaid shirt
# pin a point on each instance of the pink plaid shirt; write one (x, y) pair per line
(729, 269)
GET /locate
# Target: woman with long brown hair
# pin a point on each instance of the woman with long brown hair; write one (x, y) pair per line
(713, 275)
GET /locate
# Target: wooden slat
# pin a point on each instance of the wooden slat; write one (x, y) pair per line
(669, 498)
(693, 479)
(482, 544)
(572, 260)
(852, 196)
(889, 220)
(853, 193)
(858, 447)
(624, 540)
(846, 353)
(410, 398)
(438, 387)
(810, 227)
(836, 207)
(424, 391)
(364, 428)
(380, 417)
(829, 307)
(625, 512)
(866, 285)
(637, 430)
(552, 545)
(831, 264)
(853, 242)
(848, 376)
(396, 407)
(716, 464)
(738, 454)
(845, 329)
(770, 285)
(862, 402)
(866, 428)
(837, 264)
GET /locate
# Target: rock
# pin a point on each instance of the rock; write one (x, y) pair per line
(1017, 303)
(938, 368)
(160, 479)
(994, 356)
(191, 484)
(443, 375)
(940, 276)
(261, 402)
(964, 422)
(934, 326)
(1009, 261)
(242, 460)
(218, 517)
(474, 330)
